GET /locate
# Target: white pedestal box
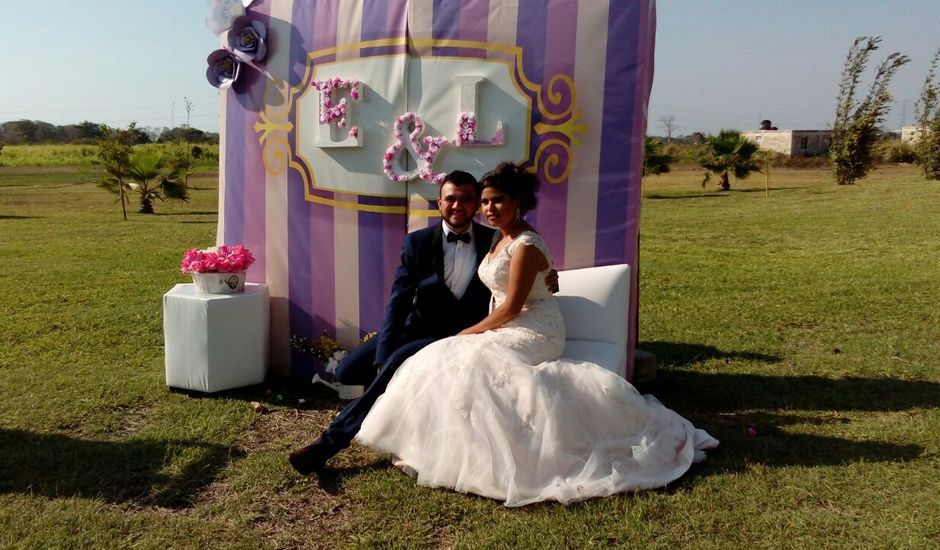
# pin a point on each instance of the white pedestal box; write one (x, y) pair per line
(215, 342)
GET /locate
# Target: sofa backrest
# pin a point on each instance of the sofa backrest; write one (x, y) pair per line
(595, 302)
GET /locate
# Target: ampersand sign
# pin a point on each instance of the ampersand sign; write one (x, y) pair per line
(423, 149)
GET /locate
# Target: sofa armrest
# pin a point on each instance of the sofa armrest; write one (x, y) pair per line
(595, 303)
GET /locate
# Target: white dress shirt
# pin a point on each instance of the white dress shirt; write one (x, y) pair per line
(460, 261)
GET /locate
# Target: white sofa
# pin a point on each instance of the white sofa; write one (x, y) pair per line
(595, 303)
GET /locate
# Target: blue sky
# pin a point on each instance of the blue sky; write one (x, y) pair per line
(719, 63)
(731, 63)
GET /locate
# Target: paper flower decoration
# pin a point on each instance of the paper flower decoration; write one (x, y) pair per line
(223, 69)
(466, 128)
(330, 111)
(222, 13)
(426, 147)
(246, 39)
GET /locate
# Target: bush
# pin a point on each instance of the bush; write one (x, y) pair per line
(895, 152)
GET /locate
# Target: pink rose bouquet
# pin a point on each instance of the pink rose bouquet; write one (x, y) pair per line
(222, 259)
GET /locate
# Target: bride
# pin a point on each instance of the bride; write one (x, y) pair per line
(497, 412)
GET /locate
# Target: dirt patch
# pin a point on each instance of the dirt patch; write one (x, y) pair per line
(285, 429)
(130, 421)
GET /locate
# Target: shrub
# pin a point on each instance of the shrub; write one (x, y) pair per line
(895, 152)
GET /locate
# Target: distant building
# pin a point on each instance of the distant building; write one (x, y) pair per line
(793, 143)
(910, 134)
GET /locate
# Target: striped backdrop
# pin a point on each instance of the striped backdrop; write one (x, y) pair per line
(328, 257)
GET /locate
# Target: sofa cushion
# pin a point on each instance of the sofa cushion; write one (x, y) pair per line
(595, 303)
(612, 357)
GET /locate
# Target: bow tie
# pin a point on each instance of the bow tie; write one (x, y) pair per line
(462, 237)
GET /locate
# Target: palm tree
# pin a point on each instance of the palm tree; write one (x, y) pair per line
(729, 151)
(655, 161)
(145, 174)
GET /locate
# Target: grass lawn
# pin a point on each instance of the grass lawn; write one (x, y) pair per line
(800, 329)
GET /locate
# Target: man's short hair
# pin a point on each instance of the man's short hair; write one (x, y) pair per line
(459, 178)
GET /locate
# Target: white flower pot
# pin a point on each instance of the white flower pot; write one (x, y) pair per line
(219, 283)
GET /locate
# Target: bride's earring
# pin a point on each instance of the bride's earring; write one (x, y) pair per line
(518, 215)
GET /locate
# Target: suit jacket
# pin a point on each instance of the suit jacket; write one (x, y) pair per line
(421, 305)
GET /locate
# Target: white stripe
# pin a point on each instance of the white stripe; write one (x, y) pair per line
(221, 208)
(223, 97)
(275, 219)
(421, 20)
(590, 59)
(416, 222)
(349, 30)
(501, 23)
(346, 220)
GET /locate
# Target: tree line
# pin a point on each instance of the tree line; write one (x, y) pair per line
(28, 132)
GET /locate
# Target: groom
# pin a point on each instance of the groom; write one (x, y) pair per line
(436, 293)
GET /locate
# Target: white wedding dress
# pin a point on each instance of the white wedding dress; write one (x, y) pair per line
(499, 414)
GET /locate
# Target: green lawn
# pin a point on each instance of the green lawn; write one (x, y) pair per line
(801, 329)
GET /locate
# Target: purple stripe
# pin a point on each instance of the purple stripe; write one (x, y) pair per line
(559, 59)
(374, 19)
(234, 213)
(254, 230)
(617, 155)
(626, 92)
(374, 25)
(322, 266)
(398, 23)
(398, 18)
(371, 270)
(643, 84)
(445, 24)
(376, 270)
(474, 25)
(383, 19)
(393, 235)
(322, 259)
(298, 209)
(474, 20)
(530, 36)
(298, 254)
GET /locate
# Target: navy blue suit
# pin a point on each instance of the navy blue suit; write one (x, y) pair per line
(422, 309)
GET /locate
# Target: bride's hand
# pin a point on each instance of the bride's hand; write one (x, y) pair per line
(551, 281)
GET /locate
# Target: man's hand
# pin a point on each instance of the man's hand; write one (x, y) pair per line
(551, 281)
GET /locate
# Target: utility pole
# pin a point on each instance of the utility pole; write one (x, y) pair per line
(189, 109)
(904, 103)
(173, 115)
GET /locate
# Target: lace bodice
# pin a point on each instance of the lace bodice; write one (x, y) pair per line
(539, 330)
(494, 269)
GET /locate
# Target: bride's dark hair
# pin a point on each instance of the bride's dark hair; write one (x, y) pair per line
(514, 181)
